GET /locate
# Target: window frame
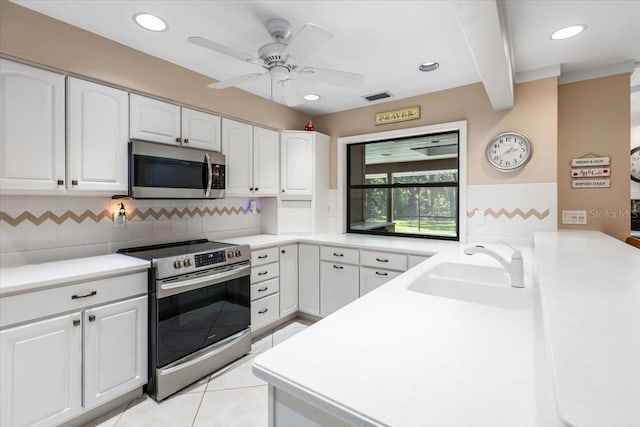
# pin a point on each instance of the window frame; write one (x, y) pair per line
(390, 186)
(341, 153)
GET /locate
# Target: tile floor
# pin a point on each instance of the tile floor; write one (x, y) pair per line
(232, 397)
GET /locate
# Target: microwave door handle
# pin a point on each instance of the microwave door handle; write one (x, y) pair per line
(207, 191)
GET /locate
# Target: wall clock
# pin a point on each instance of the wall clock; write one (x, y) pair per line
(509, 151)
(635, 164)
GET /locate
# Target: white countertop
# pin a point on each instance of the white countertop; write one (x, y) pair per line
(31, 277)
(590, 290)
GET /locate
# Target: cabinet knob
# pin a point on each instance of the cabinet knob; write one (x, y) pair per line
(283, 190)
(283, 251)
(186, 141)
(74, 182)
(256, 188)
(61, 182)
(76, 322)
(251, 189)
(178, 140)
(92, 318)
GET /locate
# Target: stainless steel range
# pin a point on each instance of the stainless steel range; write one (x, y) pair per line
(199, 310)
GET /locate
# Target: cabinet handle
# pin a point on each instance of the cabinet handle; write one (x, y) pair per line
(263, 311)
(262, 256)
(92, 318)
(186, 141)
(263, 289)
(90, 294)
(381, 274)
(382, 260)
(251, 189)
(337, 254)
(178, 140)
(76, 322)
(338, 267)
(283, 190)
(61, 182)
(74, 182)
(283, 251)
(262, 273)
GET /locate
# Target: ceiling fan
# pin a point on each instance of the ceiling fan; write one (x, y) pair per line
(283, 59)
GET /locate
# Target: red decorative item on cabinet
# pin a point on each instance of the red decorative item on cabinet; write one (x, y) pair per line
(309, 126)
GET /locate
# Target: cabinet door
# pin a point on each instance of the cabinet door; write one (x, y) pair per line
(288, 279)
(115, 350)
(266, 162)
(153, 120)
(200, 130)
(297, 164)
(339, 285)
(32, 135)
(98, 125)
(372, 278)
(309, 279)
(237, 140)
(41, 372)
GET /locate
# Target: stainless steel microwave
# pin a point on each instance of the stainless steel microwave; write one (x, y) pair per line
(158, 171)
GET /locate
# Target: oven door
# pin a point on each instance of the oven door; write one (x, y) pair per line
(200, 311)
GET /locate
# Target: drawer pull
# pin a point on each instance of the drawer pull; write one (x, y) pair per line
(78, 296)
(92, 318)
(262, 256)
(382, 260)
(262, 273)
(263, 289)
(381, 274)
(337, 254)
(263, 311)
(76, 322)
(338, 267)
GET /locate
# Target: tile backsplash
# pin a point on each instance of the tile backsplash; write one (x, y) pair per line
(40, 229)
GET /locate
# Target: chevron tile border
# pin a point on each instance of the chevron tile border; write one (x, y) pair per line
(143, 214)
(511, 214)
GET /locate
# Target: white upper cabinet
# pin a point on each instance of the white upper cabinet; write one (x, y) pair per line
(266, 159)
(97, 132)
(237, 143)
(153, 120)
(297, 164)
(200, 130)
(32, 130)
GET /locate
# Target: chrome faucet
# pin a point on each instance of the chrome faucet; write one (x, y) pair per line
(514, 268)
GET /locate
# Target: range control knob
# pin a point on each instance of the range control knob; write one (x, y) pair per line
(177, 264)
(187, 262)
(238, 253)
(230, 254)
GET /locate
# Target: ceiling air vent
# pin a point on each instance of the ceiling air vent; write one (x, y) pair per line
(376, 96)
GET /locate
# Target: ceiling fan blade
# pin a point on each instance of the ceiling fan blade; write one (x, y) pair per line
(332, 77)
(290, 93)
(236, 81)
(225, 50)
(310, 38)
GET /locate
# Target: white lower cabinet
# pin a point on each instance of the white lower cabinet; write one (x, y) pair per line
(309, 279)
(115, 350)
(41, 371)
(371, 278)
(288, 279)
(264, 311)
(339, 285)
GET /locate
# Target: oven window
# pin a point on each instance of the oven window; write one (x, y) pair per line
(169, 173)
(193, 320)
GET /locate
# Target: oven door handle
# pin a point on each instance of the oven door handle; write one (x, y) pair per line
(207, 191)
(211, 279)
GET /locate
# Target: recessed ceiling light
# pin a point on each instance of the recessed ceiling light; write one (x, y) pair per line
(312, 97)
(568, 32)
(149, 22)
(428, 66)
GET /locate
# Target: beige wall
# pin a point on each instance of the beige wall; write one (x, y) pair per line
(595, 117)
(534, 114)
(30, 36)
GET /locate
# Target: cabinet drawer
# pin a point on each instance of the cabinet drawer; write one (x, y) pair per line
(34, 305)
(383, 260)
(265, 288)
(264, 256)
(265, 272)
(416, 259)
(335, 254)
(264, 311)
(372, 278)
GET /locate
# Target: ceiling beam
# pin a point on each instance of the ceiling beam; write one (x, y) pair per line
(485, 28)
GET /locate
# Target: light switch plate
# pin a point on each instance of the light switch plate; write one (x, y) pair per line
(574, 217)
(478, 217)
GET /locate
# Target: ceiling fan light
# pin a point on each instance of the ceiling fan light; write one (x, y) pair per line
(568, 32)
(312, 97)
(150, 22)
(428, 66)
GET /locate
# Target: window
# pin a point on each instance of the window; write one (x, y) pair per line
(405, 187)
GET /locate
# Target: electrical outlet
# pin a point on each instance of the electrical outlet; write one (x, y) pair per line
(253, 209)
(574, 217)
(478, 217)
(119, 221)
